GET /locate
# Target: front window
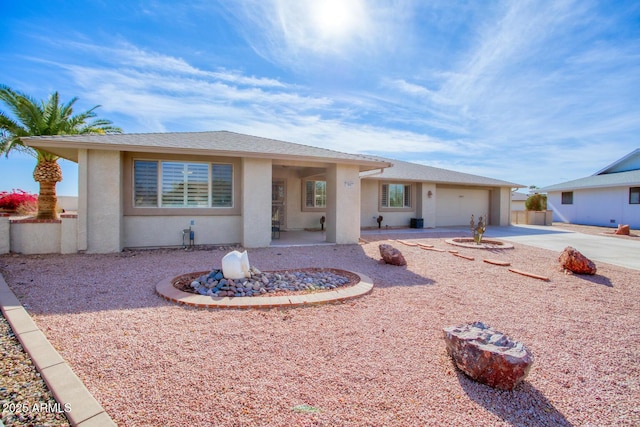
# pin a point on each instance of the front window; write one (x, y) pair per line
(396, 196)
(315, 194)
(567, 197)
(634, 196)
(182, 185)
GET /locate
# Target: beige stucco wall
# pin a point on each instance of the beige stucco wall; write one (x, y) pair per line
(35, 238)
(256, 202)
(103, 201)
(422, 206)
(5, 235)
(154, 231)
(343, 218)
(69, 235)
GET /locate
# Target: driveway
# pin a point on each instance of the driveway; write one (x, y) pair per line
(612, 250)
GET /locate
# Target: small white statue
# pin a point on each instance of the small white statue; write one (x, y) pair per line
(235, 265)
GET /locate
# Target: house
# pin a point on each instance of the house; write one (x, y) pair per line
(143, 190)
(608, 198)
(518, 201)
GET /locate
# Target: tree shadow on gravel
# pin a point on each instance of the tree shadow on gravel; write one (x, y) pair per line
(524, 406)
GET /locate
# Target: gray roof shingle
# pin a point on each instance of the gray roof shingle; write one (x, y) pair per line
(222, 142)
(407, 171)
(619, 179)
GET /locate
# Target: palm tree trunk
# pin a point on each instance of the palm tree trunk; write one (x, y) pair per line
(47, 201)
(47, 173)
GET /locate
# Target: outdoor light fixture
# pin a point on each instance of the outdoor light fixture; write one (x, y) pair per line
(429, 194)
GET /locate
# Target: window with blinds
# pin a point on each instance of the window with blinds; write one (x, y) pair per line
(395, 196)
(182, 185)
(145, 183)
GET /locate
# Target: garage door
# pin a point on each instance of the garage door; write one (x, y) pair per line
(455, 206)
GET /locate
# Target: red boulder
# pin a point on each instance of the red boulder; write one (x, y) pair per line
(572, 260)
(488, 356)
(391, 255)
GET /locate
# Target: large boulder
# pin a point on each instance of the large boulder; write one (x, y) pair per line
(623, 230)
(488, 356)
(391, 255)
(571, 259)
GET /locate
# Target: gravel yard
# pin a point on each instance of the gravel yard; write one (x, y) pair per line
(375, 361)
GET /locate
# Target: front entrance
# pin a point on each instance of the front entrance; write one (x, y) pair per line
(278, 203)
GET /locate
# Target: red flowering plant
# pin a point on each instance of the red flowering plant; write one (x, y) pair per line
(19, 201)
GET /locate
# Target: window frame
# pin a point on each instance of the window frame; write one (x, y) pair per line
(407, 196)
(132, 207)
(566, 198)
(314, 197)
(634, 191)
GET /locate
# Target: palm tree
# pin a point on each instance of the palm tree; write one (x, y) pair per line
(34, 118)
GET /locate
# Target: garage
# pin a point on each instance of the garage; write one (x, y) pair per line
(454, 206)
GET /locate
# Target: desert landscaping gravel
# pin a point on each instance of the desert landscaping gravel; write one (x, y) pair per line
(379, 360)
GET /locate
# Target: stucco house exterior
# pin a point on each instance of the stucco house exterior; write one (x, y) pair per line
(607, 198)
(143, 190)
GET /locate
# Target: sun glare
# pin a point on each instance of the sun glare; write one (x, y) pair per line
(333, 18)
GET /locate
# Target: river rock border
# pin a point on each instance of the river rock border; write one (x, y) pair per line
(167, 290)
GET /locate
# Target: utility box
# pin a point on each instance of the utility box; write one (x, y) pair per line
(416, 223)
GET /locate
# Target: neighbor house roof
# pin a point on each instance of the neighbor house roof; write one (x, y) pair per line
(220, 143)
(618, 179)
(627, 163)
(621, 173)
(407, 171)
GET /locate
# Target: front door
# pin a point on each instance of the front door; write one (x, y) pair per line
(278, 199)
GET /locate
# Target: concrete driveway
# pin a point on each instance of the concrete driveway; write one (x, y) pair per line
(612, 250)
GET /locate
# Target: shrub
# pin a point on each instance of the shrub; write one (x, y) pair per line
(17, 200)
(536, 202)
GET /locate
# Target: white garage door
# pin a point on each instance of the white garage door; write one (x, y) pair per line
(454, 206)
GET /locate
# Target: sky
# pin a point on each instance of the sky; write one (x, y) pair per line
(532, 92)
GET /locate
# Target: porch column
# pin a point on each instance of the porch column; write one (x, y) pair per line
(343, 204)
(256, 202)
(500, 206)
(103, 192)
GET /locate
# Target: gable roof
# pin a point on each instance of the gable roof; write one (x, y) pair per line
(621, 173)
(619, 179)
(220, 143)
(407, 171)
(627, 163)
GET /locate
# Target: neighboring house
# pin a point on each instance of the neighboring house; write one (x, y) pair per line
(609, 197)
(143, 190)
(518, 201)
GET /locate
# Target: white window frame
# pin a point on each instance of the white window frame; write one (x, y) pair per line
(188, 168)
(306, 196)
(389, 191)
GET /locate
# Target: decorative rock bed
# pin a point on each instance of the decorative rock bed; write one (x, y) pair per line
(485, 244)
(259, 283)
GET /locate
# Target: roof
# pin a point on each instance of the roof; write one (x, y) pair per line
(619, 179)
(621, 173)
(221, 143)
(518, 197)
(627, 163)
(407, 171)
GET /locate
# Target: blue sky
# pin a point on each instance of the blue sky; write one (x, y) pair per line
(533, 92)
